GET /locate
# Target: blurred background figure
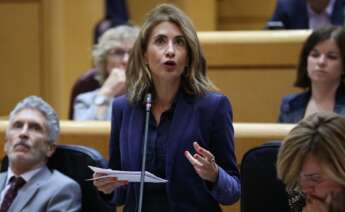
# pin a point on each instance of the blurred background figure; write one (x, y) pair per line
(110, 57)
(116, 13)
(307, 14)
(311, 163)
(321, 73)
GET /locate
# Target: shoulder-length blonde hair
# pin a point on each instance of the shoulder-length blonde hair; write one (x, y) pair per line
(194, 78)
(323, 136)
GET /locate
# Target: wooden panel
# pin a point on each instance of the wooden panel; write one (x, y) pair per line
(254, 69)
(204, 16)
(255, 94)
(138, 10)
(252, 48)
(244, 14)
(68, 32)
(20, 52)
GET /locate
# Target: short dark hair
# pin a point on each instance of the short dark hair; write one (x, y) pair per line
(337, 33)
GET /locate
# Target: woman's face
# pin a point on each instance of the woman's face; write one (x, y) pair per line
(324, 64)
(166, 53)
(313, 181)
(118, 57)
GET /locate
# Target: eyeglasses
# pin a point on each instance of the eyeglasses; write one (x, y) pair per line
(118, 53)
(310, 179)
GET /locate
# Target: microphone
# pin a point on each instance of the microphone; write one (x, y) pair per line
(148, 104)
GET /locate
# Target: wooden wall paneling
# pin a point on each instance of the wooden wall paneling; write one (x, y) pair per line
(20, 52)
(254, 69)
(68, 35)
(202, 13)
(244, 14)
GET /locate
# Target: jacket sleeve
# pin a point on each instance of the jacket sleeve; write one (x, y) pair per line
(227, 188)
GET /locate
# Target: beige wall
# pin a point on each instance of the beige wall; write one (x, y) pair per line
(243, 14)
(254, 69)
(214, 14)
(45, 46)
(20, 52)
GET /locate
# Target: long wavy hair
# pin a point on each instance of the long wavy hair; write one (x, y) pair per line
(194, 78)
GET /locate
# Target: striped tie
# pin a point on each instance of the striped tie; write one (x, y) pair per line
(16, 184)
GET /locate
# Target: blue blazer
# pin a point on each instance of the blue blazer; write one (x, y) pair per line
(207, 120)
(293, 106)
(294, 14)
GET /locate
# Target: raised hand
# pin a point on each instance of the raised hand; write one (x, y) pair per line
(203, 162)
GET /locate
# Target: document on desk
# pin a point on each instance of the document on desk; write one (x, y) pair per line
(130, 176)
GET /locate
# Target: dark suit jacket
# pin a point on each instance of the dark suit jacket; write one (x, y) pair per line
(294, 15)
(293, 106)
(207, 120)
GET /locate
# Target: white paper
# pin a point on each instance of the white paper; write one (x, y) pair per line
(130, 176)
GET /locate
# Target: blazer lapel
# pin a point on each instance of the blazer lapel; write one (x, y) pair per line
(136, 137)
(180, 122)
(28, 191)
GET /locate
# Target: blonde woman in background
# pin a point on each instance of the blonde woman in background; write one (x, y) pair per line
(111, 56)
(311, 162)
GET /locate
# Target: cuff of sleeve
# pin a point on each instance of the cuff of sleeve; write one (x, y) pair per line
(226, 190)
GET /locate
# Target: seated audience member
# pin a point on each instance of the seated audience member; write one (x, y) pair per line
(321, 73)
(29, 185)
(307, 14)
(111, 58)
(311, 163)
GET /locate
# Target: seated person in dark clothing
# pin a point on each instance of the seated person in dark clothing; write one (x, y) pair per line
(307, 14)
(111, 57)
(321, 73)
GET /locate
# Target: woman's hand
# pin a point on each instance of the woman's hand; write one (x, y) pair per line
(204, 163)
(108, 184)
(333, 203)
(315, 204)
(115, 84)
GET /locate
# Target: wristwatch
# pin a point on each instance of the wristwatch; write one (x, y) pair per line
(101, 100)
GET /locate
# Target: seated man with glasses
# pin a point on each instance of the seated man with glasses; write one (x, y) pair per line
(28, 184)
(311, 163)
(111, 57)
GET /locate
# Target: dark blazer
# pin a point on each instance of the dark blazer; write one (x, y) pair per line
(294, 15)
(207, 120)
(293, 106)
